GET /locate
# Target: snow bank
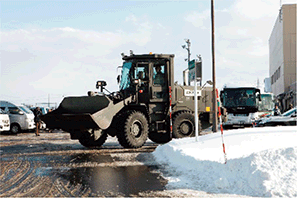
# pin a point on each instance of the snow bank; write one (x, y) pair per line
(261, 162)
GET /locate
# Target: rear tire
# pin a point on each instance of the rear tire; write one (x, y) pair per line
(87, 140)
(135, 131)
(184, 125)
(15, 128)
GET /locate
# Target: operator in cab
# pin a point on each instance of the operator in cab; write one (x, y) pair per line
(160, 76)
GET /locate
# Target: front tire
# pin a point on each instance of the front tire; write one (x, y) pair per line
(15, 128)
(135, 131)
(87, 140)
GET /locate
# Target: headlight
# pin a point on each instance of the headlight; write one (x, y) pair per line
(29, 120)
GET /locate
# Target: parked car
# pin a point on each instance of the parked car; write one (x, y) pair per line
(4, 121)
(20, 116)
(289, 118)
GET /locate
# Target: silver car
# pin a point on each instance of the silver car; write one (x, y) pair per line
(289, 118)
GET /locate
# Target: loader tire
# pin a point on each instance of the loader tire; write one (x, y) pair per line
(135, 130)
(87, 140)
(184, 125)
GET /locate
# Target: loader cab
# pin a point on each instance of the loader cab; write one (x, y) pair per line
(147, 76)
(134, 78)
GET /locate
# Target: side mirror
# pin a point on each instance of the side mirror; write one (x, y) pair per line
(100, 84)
(294, 115)
(21, 112)
(259, 94)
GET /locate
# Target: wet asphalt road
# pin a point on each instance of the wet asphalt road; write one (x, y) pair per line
(55, 166)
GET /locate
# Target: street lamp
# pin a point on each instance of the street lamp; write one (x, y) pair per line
(207, 82)
(187, 47)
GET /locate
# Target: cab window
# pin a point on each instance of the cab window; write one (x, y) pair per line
(141, 72)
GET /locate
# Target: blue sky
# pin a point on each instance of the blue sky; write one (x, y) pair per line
(52, 49)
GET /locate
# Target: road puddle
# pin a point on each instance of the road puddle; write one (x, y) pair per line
(87, 172)
(113, 181)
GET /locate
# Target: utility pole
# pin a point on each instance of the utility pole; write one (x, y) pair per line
(214, 97)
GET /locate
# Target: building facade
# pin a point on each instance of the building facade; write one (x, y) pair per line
(282, 56)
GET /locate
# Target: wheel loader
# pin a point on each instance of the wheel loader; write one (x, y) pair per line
(149, 104)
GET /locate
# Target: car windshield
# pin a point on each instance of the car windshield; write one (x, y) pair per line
(290, 112)
(125, 81)
(26, 109)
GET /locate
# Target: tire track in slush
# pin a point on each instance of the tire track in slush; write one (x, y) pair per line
(20, 180)
(14, 174)
(15, 177)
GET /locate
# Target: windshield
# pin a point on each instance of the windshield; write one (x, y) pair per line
(26, 109)
(125, 81)
(239, 97)
(267, 102)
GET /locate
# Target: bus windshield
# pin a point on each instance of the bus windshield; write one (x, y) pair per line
(239, 97)
(266, 103)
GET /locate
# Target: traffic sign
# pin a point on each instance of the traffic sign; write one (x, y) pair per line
(191, 67)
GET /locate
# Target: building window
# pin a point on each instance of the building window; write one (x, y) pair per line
(275, 76)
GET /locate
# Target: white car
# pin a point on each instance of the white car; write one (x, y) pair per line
(289, 118)
(20, 116)
(4, 121)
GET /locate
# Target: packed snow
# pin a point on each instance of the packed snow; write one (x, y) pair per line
(260, 162)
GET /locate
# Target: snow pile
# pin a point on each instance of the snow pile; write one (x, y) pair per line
(261, 162)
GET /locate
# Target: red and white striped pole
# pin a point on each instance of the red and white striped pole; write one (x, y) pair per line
(221, 125)
(170, 110)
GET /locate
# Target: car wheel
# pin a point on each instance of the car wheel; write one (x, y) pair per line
(15, 128)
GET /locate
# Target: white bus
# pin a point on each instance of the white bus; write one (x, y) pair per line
(242, 104)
